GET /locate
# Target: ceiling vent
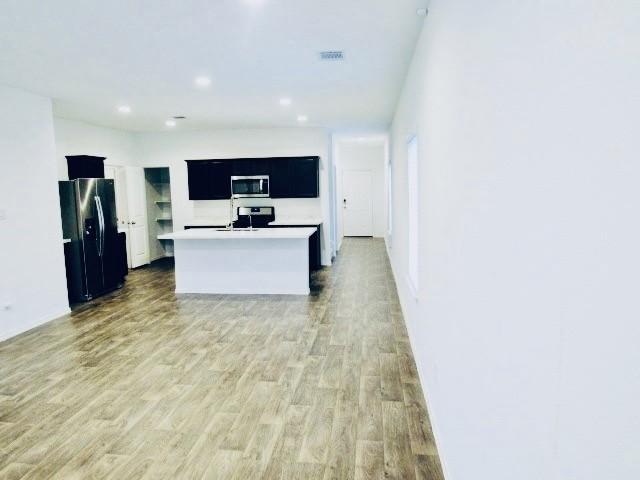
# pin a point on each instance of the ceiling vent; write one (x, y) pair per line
(332, 55)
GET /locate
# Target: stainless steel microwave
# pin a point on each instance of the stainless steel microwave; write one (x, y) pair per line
(250, 186)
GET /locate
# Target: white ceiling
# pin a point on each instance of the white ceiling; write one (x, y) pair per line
(92, 56)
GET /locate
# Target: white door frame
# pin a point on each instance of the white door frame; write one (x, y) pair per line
(151, 226)
(337, 142)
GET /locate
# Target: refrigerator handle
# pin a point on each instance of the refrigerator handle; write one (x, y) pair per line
(101, 224)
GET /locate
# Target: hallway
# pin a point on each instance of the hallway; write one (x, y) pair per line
(144, 384)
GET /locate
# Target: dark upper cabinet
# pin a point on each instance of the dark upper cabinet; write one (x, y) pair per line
(220, 175)
(289, 177)
(250, 166)
(295, 177)
(304, 177)
(279, 184)
(209, 179)
(85, 166)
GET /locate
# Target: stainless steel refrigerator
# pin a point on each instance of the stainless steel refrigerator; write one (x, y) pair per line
(88, 210)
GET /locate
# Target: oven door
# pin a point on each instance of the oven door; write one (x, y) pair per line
(257, 186)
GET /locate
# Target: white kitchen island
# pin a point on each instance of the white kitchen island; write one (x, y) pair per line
(259, 261)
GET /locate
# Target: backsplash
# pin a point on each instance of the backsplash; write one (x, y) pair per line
(284, 207)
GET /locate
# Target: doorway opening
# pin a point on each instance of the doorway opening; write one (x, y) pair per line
(360, 185)
(159, 211)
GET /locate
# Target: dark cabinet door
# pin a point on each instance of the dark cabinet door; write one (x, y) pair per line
(280, 185)
(242, 166)
(220, 177)
(209, 179)
(85, 166)
(295, 177)
(198, 180)
(303, 175)
(250, 166)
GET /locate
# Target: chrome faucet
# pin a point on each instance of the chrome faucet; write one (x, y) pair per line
(231, 213)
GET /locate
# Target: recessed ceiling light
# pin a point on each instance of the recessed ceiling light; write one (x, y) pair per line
(202, 81)
(285, 102)
(302, 118)
(170, 123)
(124, 109)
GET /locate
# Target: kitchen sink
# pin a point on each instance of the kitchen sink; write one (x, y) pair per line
(237, 230)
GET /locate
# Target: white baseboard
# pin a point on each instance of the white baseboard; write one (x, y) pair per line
(405, 295)
(266, 291)
(31, 325)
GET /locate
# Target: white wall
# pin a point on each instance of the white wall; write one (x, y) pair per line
(172, 149)
(525, 327)
(80, 138)
(32, 274)
(371, 156)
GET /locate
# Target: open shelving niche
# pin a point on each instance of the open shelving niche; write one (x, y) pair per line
(159, 211)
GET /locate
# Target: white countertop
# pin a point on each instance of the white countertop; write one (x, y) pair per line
(207, 222)
(296, 221)
(256, 234)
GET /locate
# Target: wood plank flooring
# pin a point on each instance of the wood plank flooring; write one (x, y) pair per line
(142, 383)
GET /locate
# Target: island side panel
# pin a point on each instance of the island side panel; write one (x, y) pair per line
(251, 266)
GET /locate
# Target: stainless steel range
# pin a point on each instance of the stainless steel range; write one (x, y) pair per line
(254, 217)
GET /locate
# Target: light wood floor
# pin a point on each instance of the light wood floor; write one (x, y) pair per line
(141, 384)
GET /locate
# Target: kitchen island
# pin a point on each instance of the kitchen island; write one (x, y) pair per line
(242, 261)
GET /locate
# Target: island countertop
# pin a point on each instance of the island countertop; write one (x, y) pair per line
(298, 221)
(239, 234)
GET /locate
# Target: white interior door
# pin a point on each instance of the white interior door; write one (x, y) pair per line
(357, 203)
(119, 176)
(137, 212)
